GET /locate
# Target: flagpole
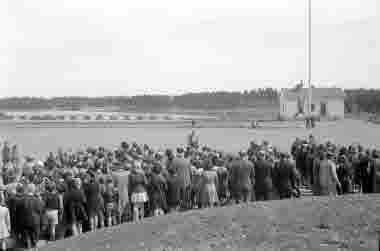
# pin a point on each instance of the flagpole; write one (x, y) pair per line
(309, 57)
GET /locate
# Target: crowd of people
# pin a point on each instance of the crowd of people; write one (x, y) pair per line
(71, 192)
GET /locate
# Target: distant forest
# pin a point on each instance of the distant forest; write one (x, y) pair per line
(211, 100)
(364, 100)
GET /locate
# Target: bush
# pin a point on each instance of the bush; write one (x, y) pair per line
(35, 117)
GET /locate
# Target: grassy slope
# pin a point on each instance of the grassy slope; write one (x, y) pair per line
(290, 225)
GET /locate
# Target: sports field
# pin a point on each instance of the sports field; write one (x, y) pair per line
(40, 139)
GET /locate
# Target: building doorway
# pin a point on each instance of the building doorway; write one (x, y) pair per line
(323, 109)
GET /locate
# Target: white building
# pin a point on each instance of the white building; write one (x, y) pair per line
(326, 102)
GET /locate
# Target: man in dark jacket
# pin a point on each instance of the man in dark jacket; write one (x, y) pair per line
(244, 179)
(74, 204)
(31, 210)
(366, 172)
(285, 177)
(14, 200)
(182, 167)
(91, 189)
(173, 190)
(157, 188)
(264, 183)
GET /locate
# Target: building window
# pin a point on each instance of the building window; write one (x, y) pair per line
(312, 107)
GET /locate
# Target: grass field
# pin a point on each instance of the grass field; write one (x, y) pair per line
(229, 136)
(343, 223)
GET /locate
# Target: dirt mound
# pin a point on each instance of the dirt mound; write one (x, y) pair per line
(348, 223)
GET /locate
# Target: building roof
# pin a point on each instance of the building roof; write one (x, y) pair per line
(331, 93)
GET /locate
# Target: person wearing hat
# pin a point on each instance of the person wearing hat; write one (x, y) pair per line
(285, 177)
(182, 167)
(243, 178)
(263, 177)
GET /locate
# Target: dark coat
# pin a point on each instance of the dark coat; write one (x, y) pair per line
(174, 188)
(223, 178)
(31, 210)
(242, 179)
(13, 203)
(157, 192)
(376, 175)
(74, 206)
(366, 174)
(263, 171)
(93, 197)
(285, 179)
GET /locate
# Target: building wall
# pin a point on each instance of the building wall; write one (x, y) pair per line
(288, 108)
(335, 108)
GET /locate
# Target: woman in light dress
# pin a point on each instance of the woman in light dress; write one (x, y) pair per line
(209, 188)
(5, 223)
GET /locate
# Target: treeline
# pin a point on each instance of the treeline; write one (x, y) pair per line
(267, 96)
(362, 100)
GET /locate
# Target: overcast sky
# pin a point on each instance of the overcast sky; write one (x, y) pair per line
(118, 47)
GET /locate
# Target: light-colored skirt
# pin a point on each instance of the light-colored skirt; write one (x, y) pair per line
(211, 194)
(52, 217)
(139, 197)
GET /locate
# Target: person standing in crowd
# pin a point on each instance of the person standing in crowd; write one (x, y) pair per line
(173, 190)
(6, 153)
(5, 223)
(157, 191)
(365, 171)
(244, 175)
(285, 177)
(138, 192)
(74, 207)
(109, 201)
(15, 156)
(209, 195)
(31, 211)
(264, 182)
(223, 179)
(345, 173)
(92, 192)
(52, 205)
(376, 171)
(316, 187)
(328, 178)
(182, 167)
